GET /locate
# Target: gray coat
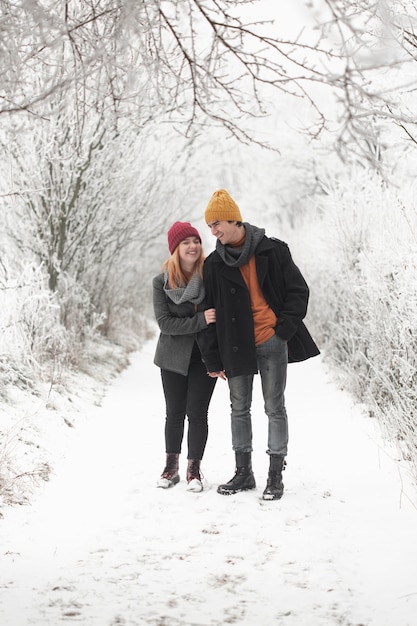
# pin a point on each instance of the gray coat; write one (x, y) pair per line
(179, 325)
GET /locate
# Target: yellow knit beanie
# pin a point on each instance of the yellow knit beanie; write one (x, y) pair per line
(222, 207)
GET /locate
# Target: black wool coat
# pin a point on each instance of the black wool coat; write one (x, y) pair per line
(229, 344)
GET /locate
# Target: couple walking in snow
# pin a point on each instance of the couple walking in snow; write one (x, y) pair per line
(234, 314)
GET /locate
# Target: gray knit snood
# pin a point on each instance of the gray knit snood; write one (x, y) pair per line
(236, 257)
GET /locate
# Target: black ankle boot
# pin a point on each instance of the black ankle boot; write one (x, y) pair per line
(274, 486)
(170, 476)
(243, 478)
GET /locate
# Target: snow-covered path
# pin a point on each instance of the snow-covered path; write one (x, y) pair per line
(101, 546)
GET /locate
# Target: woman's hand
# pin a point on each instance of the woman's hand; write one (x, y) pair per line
(210, 316)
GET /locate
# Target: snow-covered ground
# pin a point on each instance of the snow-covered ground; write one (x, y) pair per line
(100, 545)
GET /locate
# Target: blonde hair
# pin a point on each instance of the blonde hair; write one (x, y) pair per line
(176, 276)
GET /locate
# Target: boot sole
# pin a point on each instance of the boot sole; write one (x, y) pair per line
(164, 483)
(269, 496)
(195, 485)
(228, 492)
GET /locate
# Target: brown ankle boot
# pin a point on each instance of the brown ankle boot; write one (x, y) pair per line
(194, 477)
(170, 476)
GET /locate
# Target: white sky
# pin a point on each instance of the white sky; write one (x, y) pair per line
(102, 546)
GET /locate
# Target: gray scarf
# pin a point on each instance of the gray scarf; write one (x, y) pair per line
(236, 257)
(193, 292)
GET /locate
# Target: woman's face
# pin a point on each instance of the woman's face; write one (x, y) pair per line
(189, 250)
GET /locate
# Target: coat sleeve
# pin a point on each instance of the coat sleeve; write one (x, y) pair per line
(295, 297)
(207, 340)
(170, 324)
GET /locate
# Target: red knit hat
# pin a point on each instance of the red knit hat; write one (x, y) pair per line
(180, 231)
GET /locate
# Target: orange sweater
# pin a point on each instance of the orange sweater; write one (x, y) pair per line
(264, 319)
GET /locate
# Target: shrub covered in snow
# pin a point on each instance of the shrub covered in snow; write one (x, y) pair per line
(51, 352)
(360, 248)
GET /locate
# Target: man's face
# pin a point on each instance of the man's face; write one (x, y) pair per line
(226, 232)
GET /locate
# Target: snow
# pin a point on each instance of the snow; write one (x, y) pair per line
(100, 545)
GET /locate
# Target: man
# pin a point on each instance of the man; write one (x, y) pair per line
(261, 298)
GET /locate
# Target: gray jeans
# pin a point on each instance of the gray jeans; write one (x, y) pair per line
(272, 359)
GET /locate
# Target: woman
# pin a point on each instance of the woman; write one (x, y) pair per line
(178, 296)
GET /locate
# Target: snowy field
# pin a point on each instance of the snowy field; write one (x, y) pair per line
(100, 545)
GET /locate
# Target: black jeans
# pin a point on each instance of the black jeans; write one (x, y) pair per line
(187, 396)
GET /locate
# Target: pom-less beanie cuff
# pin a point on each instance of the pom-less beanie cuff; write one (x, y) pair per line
(222, 207)
(180, 231)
